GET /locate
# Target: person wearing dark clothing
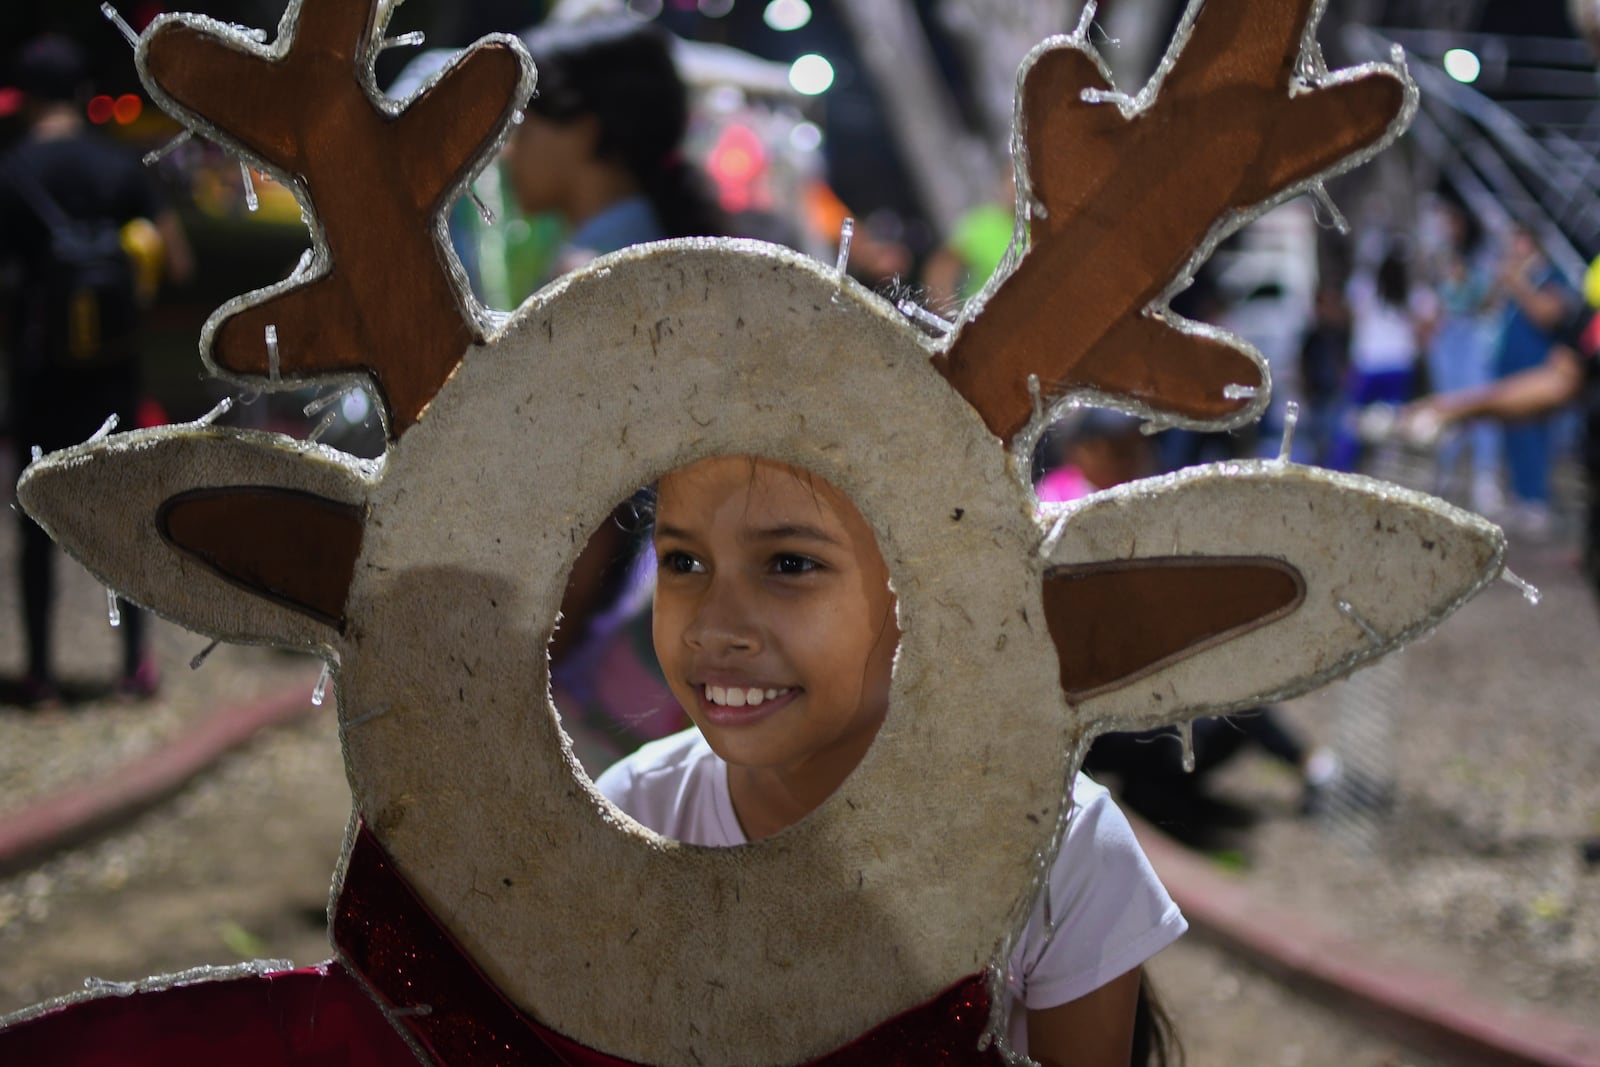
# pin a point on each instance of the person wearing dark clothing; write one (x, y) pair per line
(1324, 360)
(1155, 783)
(69, 368)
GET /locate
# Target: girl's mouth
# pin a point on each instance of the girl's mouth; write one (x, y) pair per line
(740, 697)
(739, 705)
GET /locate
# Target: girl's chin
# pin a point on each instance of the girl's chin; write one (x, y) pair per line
(720, 715)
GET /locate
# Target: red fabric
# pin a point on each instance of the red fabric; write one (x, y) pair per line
(315, 1017)
(323, 1017)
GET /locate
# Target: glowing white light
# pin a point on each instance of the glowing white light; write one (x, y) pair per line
(805, 137)
(785, 15)
(356, 405)
(1462, 65)
(811, 74)
(715, 9)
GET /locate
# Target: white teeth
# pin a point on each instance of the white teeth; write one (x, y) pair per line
(740, 698)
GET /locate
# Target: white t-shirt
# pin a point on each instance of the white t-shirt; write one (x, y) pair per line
(1383, 338)
(1113, 913)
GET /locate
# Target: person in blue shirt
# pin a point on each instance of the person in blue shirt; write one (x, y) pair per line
(601, 142)
(1537, 303)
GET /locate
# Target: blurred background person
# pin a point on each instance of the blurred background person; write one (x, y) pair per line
(1460, 347)
(1324, 362)
(84, 234)
(1536, 304)
(601, 143)
(1569, 372)
(960, 267)
(1386, 316)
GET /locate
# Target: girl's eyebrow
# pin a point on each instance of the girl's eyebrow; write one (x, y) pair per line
(794, 531)
(788, 531)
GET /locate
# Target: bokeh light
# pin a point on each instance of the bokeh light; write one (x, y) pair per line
(811, 74)
(127, 109)
(805, 137)
(785, 15)
(1462, 65)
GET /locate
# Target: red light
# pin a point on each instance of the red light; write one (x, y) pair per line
(738, 157)
(10, 101)
(100, 109)
(736, 165)
(127, 109)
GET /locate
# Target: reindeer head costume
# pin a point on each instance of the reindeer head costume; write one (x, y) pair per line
(430, 579)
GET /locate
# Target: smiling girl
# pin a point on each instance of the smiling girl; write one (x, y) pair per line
(775, 627)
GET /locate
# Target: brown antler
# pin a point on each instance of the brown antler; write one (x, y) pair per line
(1130, 200)
(389, 304)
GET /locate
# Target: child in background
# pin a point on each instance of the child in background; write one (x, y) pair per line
(775, 626)
(1386, 316)
(601, 144)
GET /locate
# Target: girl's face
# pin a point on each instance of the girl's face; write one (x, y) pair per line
(774, 623)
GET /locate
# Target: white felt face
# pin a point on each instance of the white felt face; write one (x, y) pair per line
(641, 365)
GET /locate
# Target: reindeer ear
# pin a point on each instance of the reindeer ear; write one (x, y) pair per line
(289, 546)
(246, 537)
(1117, 621)
(1164, 605)
(1133, 193)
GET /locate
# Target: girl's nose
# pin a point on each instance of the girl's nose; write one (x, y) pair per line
(723, 621)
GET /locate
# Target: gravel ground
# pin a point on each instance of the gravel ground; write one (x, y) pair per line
(1492, 738)
(1489, 734)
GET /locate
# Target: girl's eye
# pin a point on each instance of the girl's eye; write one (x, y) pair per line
(681, 563)
(792, 563)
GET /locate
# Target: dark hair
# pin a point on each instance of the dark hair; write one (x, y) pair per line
(51, 67)
(1155, 1037)
(1394, 280)
(619, 70)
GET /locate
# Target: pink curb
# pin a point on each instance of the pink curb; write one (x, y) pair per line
(73, 812)
(1430, 1009)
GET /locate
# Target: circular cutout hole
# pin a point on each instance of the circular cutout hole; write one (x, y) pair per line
(773, 631)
